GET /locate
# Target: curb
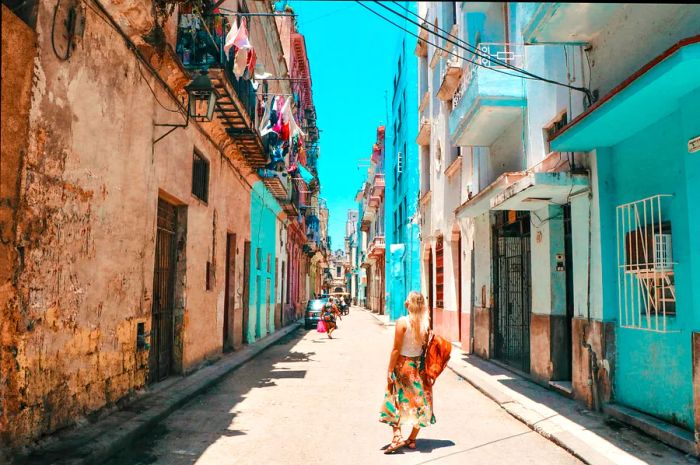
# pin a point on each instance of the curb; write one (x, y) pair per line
(118, 432)
(519, 412)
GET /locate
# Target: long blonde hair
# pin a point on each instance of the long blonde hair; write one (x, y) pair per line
(418, 316)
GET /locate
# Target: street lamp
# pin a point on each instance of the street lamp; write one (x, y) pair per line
(201, 102)
(202, 97)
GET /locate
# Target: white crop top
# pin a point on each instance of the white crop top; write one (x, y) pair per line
(409, 347)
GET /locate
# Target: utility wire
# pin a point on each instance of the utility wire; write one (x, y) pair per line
(438, 47)
(475, 51)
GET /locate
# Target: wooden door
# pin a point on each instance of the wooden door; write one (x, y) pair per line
(230, 292)
(161, 352)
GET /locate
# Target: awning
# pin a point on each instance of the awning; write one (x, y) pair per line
(305, 174)
(481, 202)
(537, 190)
(648, 95)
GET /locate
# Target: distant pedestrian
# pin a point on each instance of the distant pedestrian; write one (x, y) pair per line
(409, 393)
(329, 315)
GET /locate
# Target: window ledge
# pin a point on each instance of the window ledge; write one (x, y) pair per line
(453, 167)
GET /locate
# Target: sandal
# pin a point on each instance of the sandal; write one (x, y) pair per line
(396, 443)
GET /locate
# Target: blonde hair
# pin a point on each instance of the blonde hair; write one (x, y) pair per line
(418, 316)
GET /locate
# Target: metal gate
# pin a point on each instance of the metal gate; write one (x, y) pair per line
(511, 288)
(160, 359)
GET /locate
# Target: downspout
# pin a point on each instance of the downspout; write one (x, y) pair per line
(592, 358)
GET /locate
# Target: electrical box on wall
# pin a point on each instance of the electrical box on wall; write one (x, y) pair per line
(560, 262)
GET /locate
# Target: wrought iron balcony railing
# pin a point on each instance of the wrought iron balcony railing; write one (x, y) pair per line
(200, 45)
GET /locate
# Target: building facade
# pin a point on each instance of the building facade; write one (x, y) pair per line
(138, 242)
(555, 212)
(402, 182)
(372, 225)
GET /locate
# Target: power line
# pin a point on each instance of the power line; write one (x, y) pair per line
(476, 52)
(438, 47)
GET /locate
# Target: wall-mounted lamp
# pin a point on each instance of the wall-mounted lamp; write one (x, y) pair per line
(201, 102)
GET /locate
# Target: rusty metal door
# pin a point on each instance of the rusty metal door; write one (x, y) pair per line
(160, 357)
(511, 288)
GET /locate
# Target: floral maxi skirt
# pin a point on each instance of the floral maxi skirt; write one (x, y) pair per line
(410, 399)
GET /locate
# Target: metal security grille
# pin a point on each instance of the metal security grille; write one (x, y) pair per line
(163, 283)
(511, 288)
(200, 177)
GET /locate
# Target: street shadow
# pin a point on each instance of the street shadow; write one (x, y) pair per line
(469, 449)
(620, 435)
(423, 446)
(208, 417)
(429, 445)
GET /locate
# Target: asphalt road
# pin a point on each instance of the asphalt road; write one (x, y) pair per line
(311, 400)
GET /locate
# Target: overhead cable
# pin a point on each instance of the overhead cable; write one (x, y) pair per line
(440, 48)
(472, 49)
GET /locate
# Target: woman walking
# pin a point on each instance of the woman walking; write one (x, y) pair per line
(329, 315)
(409, 394)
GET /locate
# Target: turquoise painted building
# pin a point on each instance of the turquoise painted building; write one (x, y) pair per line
(647, 185)
(263, 255)
(402, 181)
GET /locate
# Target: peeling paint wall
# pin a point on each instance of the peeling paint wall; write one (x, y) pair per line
(18, 51)
(86, 223)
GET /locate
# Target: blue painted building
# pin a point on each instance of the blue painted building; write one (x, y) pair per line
(402, 182)
(264, 228)
(648, 190)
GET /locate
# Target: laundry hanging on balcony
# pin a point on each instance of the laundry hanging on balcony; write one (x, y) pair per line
(243, 53)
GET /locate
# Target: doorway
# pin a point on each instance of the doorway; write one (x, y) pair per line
(431, 302)
(569, 270)
(162, 334)
(511, 288)
(246, 292)
(230, 293)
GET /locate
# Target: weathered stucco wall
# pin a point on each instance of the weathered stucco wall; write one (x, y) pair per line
(86, 225)
(18, 51)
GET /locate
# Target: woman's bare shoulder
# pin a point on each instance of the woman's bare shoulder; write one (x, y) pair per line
(402, 323)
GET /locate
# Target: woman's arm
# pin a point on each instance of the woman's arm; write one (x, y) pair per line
(396, 349)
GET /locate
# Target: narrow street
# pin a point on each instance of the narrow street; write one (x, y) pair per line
(310, 400)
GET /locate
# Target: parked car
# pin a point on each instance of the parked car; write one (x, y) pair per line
(312, 315)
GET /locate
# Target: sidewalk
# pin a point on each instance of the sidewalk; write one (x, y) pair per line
(96, 442)
(592, 437)
(382, 319)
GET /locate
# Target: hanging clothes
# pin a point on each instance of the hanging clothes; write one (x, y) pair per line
(266, 123)
(231, 37)
(250, 65)
(239, 62)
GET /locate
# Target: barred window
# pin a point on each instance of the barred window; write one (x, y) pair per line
(200, 177)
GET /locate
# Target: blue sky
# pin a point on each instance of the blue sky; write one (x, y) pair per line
(351, 54)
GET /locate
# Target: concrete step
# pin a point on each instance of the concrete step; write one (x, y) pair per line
(654, 427)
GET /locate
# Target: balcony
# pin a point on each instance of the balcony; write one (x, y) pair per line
(423, 137)
(377, 247)
(568, 23)
(538, 190)
(421, 49)
(200, 43)
(378, 185)
(488, 101)
(276, 183)
(451, 77)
